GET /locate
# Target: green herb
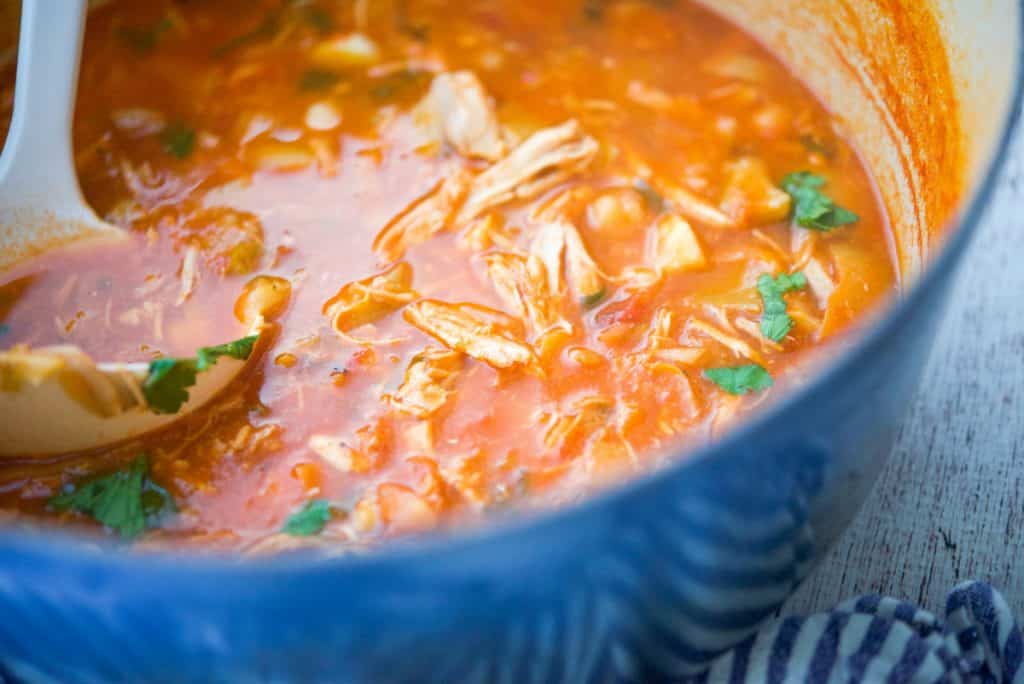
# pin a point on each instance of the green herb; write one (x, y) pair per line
(593, 299)
(740, 379)
(813, 144)
(266, 30)
(308, 520)
(127, 501)
(652, 197)
(166, 386)
(775, 322)
(239, 349)
(319, 18)
(178, 140)
(813, 209)
(389, 86)
(317, 79)
(144, 39)
(593, 10)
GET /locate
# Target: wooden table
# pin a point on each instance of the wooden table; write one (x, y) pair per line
(949, 505)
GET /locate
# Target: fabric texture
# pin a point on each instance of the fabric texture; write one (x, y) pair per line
(877, 639)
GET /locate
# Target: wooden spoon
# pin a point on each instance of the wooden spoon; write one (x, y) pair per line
(54, 400)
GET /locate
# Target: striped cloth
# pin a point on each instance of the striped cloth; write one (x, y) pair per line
(876, 639)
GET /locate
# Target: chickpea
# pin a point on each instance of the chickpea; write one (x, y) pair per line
(263, 297)
(617, 213)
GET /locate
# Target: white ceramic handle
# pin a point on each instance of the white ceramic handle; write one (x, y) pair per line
(37, 165)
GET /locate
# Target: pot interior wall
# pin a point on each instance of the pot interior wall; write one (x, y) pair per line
(921, 87)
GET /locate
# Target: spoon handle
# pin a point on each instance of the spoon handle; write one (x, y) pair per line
(37, 164)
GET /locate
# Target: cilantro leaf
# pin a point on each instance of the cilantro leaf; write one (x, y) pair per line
(775, 322)
(238, 349)
(812, 209)
(144, 39)
(178, 140)
(166, 386)
(740, 379)
(266, 30)
(319, 18)
(317, 79)
(308, 520)
(593, 299)
(126, 501)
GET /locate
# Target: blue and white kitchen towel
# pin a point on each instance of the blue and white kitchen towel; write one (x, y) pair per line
(875, 639)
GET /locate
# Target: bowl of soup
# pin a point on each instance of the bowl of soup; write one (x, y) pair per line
(586, 327)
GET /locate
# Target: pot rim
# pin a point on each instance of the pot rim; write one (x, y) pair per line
(66, 552)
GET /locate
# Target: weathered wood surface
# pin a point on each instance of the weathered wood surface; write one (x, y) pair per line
(949, 505)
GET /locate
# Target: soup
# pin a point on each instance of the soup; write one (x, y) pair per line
(505, 256)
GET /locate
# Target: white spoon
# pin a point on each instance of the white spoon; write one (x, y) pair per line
(41, 205)
(54, 400)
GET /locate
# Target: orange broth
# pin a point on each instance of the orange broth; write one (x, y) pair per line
(194, 130)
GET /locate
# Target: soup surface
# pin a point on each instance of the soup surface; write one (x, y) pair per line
(506, 252)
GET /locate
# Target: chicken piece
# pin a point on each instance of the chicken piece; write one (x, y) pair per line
(338, 454)
(523, 285)
(820, 282)
(539, 163)
(560, 238)
(480, 332)
(548, 245)
(660, 336)
(675, 245)
(609, 456)
(486, 232)
(583, 418)
(189, 274)
(754, 330)
(370, 299)
(429, 382)
(662, 345)
(462, 115)
(750, 196)
(230, 242)
(427, 217)
(694, 207)
(738, 346)
(584, 275)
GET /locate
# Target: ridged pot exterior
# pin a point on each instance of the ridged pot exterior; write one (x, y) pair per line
(641, 586)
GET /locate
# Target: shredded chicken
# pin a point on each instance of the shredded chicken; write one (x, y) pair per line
(662, 344)
(523, 285)
(462, 115)
(750, 196)
(189, 273)
(738, 346)
(484, 334)
(584, 417)
(429, 382)
(548, 245)
(754, 330)
(819, 281)
(695, 207)
(370, 299)
(539, 163)
(428, 216)
(675, 245)
(485, 232)
(560, 238)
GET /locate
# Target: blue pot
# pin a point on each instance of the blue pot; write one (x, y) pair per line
(644, 583)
